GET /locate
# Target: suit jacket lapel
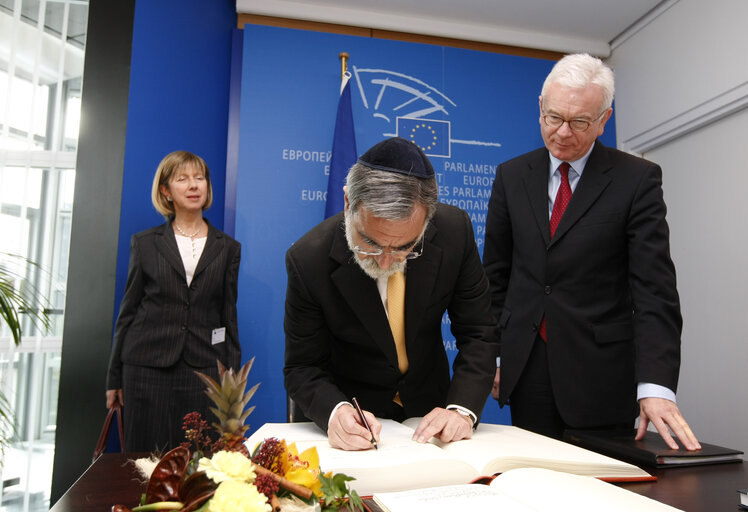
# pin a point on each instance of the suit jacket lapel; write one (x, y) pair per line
(361, 294)
(419, 284)
(592, 183)
(213, 247)
(166, 244)
(536, 184)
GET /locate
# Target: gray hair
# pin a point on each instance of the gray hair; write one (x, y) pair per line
(579, 70)
(389, 195)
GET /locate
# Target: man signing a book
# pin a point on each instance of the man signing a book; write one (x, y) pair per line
(367, 291)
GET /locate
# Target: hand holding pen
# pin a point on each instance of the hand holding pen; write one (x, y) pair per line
(364, 422)
(347, 431)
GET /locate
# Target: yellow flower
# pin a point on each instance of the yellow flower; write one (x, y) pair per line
(235, 496)
(228, 466)
(304, 469)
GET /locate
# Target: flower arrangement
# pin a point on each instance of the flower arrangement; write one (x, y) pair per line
(220, 475)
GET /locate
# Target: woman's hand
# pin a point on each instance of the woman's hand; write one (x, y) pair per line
(114, 397)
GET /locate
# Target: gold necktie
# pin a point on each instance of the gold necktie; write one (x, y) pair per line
(396, 313)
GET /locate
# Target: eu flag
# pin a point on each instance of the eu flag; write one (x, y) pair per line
(431, 135)
(344, 153)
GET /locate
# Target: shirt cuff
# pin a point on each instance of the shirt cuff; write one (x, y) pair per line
(649, 390)
(498, 362)
(336, 410)
(464, 411)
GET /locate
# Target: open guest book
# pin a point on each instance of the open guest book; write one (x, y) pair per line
(402, 464)
(523, 490)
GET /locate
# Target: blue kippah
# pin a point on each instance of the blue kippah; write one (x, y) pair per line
(398, 155)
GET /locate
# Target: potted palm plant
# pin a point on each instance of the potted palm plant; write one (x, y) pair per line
(14, 303)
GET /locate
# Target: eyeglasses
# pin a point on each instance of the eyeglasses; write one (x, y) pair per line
(576, 125)
(398, 255)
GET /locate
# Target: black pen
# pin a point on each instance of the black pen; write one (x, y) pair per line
(366, 423)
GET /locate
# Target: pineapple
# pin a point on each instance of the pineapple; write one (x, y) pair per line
(230, 399)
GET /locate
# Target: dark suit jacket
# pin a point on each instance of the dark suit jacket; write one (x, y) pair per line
(605, 282)
(161, 318)
(338, 339)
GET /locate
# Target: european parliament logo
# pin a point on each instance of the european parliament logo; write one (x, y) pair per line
(431, 135)
(410, 101)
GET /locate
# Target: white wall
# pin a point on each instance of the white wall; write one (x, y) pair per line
(682, 89)
(681, 67)
(706, 180)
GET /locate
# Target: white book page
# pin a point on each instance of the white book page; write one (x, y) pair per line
(398, 464)
(450, 498)
(543, 489)
(524, 490)
(288, 431)
(498, 448)
(395, 446)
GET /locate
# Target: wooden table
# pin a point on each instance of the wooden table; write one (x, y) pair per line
(111, 480)
(708, 488)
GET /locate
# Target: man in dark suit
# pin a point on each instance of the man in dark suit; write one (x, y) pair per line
(342, 336)
(582, 283)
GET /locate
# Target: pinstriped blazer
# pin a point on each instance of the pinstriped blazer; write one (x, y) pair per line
(161, 318)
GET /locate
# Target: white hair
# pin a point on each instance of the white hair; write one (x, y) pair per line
(579, 70)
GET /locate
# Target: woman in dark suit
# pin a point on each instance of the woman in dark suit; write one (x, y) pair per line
(178, 314)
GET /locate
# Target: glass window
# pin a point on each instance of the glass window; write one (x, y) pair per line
(40, 101)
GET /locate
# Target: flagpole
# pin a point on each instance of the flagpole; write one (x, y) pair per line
(343, 56)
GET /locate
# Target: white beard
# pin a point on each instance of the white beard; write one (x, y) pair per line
(368, 264)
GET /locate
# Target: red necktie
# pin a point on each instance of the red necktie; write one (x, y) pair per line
(559, 206)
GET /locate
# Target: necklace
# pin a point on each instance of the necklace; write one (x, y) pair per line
(185, 234)
(191, 237)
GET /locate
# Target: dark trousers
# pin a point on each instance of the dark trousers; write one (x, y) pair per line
(532, 402)
(156, 401)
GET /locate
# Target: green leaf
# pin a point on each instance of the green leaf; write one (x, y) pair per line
(335, 493)
(356, 502)
(29, 300)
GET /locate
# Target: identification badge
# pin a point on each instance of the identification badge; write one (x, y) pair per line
(219, 335)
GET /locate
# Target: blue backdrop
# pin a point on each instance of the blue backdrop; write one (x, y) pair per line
(470, 109)
(170, 109)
